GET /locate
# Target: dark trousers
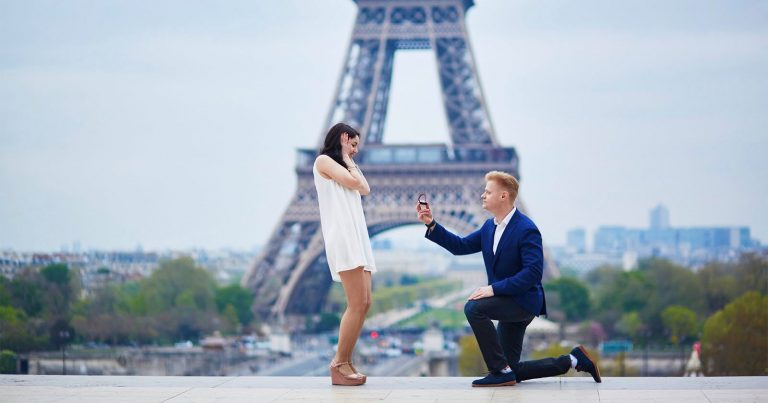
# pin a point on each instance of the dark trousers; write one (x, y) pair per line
(502, 346)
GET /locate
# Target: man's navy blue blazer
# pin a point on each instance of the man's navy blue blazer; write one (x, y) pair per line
(516, 268)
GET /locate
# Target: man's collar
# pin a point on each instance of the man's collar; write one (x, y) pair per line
(506, 219)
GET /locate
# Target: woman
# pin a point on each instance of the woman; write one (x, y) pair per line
(340, 184)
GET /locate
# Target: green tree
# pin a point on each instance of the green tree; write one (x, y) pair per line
(752, 273)
(241, 300)
(107, 317)
(630, 325)
(620, 292)
(670, 284)
(680, 323)
(56, 273)
(27, 294)
(470, 359)
(574, 297)
(185, 300)
(164, 288)
(5, 291)
(602, 278)
(719, 284)
(59, 290)
(18, 332)
(177, 300)
(10, 316)
(734, 341)
(724, 282)
(230, 315)
(7, 362)
(12, 327)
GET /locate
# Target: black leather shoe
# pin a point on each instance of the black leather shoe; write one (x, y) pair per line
(584, 363)
(496, 379)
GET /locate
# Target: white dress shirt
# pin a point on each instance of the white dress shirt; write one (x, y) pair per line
(500, 227)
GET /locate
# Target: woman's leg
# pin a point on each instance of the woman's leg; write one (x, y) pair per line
(367, 303)
(358, 302)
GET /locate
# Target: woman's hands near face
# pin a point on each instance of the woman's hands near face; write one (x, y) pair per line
(347, 149)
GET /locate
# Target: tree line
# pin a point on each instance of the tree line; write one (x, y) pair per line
(179, 301)
(724, 305)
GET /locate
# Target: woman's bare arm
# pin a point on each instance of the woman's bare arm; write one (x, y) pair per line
(350, 179)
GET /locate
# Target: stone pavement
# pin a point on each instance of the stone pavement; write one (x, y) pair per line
(85, 389)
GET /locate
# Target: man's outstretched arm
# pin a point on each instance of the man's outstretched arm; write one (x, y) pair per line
(452, 242)
(448, 240)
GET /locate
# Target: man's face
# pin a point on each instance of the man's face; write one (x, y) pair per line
(492, 197)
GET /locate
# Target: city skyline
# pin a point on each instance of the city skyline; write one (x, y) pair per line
(177, 128)
(402, 238)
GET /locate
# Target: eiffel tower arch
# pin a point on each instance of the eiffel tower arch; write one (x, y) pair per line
(291, 276)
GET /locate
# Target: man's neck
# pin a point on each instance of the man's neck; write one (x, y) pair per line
(503, 214)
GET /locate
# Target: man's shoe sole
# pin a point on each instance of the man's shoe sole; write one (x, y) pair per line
(510, 383)
(597, 379)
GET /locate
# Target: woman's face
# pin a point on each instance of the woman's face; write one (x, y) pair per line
(349, 145)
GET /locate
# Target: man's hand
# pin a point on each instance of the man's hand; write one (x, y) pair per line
(425, 213)
(482, 292)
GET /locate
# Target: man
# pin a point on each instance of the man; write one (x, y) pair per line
(514, 261)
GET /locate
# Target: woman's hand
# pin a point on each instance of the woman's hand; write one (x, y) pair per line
(347, 149)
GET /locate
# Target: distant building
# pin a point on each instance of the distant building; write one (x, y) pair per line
(690, 246)
(577, 240)
(622, 246)
(659, 217)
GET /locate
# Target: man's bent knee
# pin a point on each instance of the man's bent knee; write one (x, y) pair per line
(472, 310)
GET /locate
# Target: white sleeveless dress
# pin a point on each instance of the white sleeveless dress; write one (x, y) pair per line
(347, 245)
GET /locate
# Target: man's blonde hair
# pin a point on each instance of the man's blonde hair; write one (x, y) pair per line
(506, 181)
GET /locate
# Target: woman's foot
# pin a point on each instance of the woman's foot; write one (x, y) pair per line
(365, 378)
(342, 373)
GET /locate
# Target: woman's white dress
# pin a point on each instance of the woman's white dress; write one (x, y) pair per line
(347, 245)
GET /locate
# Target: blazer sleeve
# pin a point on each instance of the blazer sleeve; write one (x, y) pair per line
(454, 243)
(532, 256)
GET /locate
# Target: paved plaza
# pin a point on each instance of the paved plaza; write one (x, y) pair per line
(83, 389)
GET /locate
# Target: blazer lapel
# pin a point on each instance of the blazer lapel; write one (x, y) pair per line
(488, 246)
(505, 236)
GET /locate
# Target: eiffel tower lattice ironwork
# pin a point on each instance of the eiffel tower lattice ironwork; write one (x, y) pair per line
(291, 276)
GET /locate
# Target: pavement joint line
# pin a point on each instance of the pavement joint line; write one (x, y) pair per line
(228, 379)
(597, 389)
(705, 395)
(177, 395)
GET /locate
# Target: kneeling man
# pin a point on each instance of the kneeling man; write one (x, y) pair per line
(514, 261)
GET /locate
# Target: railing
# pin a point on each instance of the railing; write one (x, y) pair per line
(379, 154)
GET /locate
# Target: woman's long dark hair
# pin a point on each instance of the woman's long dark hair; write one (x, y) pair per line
(332, 144)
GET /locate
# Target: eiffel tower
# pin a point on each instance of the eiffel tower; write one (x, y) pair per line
(291, 276)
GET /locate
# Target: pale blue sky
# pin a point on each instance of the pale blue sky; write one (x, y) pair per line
(173, 124)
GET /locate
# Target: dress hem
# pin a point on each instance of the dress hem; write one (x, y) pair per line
(335, 274)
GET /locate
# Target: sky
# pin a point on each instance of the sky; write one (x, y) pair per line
(174, 124)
